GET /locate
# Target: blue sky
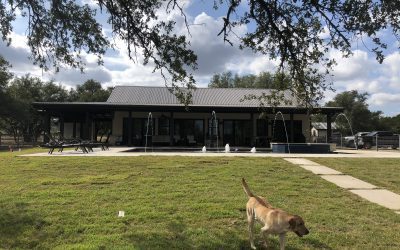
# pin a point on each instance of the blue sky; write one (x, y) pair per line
(360, 72)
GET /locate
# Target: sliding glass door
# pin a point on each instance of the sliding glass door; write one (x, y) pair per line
(188, 132)
(139, 130)
(237, 132)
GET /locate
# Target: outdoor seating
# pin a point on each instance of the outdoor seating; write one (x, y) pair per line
(61, 144)
(84, 145)
(103, 144)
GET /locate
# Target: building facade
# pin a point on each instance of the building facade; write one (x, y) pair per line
(138, 116)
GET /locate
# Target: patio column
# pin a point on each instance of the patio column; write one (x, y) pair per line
(291, 128)
(328, 127)
(74, 130)
(253, 130)
(205, 130)
(93, 130)
(86, 134)
(130, 129)
(62, 126)
(171, 129)
(46, 128)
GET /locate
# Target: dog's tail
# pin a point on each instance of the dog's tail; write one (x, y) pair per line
(246, 188)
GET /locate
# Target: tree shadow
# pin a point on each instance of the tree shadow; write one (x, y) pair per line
(177, 236)
(317, 244)
(273, 243)
(20, 228)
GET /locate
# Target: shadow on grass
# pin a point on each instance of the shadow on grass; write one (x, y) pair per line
(177, 235)
(316, 244)
(273, 243)
(20, 228)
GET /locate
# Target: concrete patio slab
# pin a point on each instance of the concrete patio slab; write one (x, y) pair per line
(301, 161)
(121, 151)
(381, 197)
(348, 182)
(320, 170)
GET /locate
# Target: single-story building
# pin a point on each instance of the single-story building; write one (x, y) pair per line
(136, 115)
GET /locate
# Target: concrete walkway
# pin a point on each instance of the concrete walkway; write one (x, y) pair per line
(361, 188)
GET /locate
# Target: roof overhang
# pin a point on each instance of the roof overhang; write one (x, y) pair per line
(60, 107)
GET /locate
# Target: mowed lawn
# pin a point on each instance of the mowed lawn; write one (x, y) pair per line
(175, 203)
(384, 173)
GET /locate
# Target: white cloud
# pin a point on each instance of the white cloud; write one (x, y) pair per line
(73, 77)
(391, 68)
(381, 99)
(252, 65)
(357, 66)
(360, 71)
(214, 56)
(91, 3)
(17, 54)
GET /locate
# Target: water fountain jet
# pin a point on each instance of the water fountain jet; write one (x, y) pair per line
(284, 124)
(214, 124)
(351, 129)
(149, 121)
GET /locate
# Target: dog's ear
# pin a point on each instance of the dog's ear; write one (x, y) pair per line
(292, 223)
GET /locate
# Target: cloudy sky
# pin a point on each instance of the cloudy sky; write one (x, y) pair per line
(360, 72)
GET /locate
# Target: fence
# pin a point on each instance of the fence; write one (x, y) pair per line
(385, 141)
(376, 142)
(8, 140)
(338, 139)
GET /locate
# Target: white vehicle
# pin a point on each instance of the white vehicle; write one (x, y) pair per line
(349, 140)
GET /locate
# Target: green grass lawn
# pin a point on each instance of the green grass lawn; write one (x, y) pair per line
(384, 173)
(175, 203)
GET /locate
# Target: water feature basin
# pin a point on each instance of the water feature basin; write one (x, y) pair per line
(317, 148)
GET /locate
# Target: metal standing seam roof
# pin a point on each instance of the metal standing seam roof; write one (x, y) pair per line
(224, 97)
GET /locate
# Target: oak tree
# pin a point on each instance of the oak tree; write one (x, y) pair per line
(297, 33)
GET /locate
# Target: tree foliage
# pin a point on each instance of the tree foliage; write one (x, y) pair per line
(264, 80)
(298, 33)
(275, 83)
(5, 76)
(60, 31)
(357, 111)
(90, 91)
(391, 123)
(19, 118)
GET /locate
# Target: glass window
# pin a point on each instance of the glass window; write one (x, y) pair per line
(262, 127)
(184, 127)
(163, 126)
(213, 127)
(199, 131)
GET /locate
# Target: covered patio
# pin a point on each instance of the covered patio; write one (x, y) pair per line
(139, 116)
